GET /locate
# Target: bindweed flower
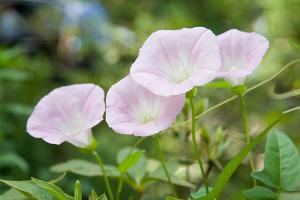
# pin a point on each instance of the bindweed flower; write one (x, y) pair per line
(241, 52)
(133, 110)
(172, 62)
(67, 114)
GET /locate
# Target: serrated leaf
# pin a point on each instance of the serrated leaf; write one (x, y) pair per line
(259, 193)
(130, 161)
(53, 189)
(231, 167)
(84, 168)
(138, 171)
(282, 163)
(30, 189)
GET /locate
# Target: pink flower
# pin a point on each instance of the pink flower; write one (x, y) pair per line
(172, 62)
(67, 114)
(241, 52)
(133, 110)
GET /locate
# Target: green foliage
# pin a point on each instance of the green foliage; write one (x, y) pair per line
(138, 170)
(282, 163)
(231, 167)
(201, 192)
(171, 198)
(93, 195)
(281, 170)
(59, 178)
(259, 193)
(13, 194)
(53, 189)
(289, 196)
(30, 189)
(13, 160)
(159, 175)
(32, 66)
(77, 191)
(102, 197)
(84, 168)
(130, 160)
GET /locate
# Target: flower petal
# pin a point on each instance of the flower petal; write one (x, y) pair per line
(171, 62)
(81, 140)
(133, 110)
(241, 52)
(66, 112)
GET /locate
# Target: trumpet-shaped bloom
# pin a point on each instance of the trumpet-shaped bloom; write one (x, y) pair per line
(172, 62)
(67, 114)
(133, 110)
(241, 52)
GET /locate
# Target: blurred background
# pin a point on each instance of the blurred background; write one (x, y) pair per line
(45, 44)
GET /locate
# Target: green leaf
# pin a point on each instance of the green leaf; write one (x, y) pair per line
(201, 192)
(234, 163)
(77, 191)
(93, 196)
(282, 163)
(159, 175)
(289, 196)
(13, 194)
(102, 197)
(130, 160)
(172, 198)
(30, 189)
(84, 168)
(138, 171)
(259, 193)
(53, 189)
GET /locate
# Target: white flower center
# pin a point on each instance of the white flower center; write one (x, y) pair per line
(146, 110)
(177, 73)
(72, 123)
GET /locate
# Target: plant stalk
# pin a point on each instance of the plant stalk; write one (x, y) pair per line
(120, 186)
(107, 184)
(196, 150)
(246, 129)
(163, 163)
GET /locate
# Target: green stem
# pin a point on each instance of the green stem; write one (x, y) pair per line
(196, 150)
(110, 194)
(246, 129)
(163, 163)
(120, 186)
